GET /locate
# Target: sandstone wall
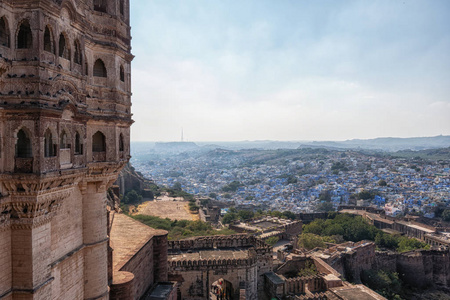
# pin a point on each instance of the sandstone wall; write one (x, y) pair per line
(420, 268)
(142, 267)
(5, 261)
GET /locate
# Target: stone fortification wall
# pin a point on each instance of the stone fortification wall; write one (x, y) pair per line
(211, 242)
(295, 228)
(385, 261)
(309, 217)
(206, 264)
(419, 268)
(148, 265)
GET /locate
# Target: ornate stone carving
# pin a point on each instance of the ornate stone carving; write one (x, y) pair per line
(28, 212)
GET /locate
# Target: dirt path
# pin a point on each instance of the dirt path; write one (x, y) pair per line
(167, 207)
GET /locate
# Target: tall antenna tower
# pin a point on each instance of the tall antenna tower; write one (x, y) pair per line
(182, 138)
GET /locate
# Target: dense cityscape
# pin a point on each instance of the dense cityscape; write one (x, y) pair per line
(305, 180)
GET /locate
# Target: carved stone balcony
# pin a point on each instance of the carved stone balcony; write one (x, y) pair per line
(99, 156)
(23, 165)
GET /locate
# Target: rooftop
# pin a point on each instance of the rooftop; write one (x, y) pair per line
(356, 292)
(127, 237)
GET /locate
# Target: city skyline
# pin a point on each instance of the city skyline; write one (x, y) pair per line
(296, 70)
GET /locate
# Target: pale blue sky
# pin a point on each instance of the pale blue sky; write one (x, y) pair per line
(229, 70)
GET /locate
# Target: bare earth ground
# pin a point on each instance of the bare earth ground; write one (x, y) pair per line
(167, 207)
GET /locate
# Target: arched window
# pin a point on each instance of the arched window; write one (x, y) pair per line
(78, 145)
(121, 146)
(48, 40)
(98, 142)
(63, 141)
(4, 33)
(77, 53)
(100, 5)
(99, 68)
(48, 144)
(23, 146)
(24, 37)
(122, 74)
(64, 50)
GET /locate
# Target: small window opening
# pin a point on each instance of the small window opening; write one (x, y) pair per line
(77, 54)
(4, 33)
(48, 144)
(121, 8)
(24, 38)
(99, 69)
(98, 142)
(122, 74)
(64, 51)
(100, 5)
(23, 147)
(48, 44)
(78, 145)
(121, 146)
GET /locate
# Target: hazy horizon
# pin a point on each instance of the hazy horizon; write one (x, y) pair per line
(293, 141)
(289, 71)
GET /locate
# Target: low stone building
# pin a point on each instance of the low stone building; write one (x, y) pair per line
(270, 226)
(239, 261)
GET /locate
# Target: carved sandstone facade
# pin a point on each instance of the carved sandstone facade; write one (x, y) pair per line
(64, 137)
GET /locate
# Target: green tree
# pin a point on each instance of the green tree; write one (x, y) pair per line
(232, 186)
(213, 195)
(446, 215)
(310, 241)
(132, 197)
(229, 218)
(176, 186)
(309, 269)
(315, 227)
(365, 195)
(325, 207)
(382, 182)
(272, 240)
(245, 215)
(289, 215)
(385, 283)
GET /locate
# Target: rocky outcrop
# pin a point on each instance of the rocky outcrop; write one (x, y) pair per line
(129, 180)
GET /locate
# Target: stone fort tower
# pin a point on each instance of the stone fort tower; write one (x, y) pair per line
(64, 137)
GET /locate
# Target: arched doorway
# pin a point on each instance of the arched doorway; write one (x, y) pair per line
(221, 290)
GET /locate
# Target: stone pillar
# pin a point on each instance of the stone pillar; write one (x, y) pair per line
(30, 253)
(95, 240)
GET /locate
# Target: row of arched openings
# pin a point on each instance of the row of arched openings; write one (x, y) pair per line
(25, 41)
(24, 146)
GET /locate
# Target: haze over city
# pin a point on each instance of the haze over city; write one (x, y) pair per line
(290, 70)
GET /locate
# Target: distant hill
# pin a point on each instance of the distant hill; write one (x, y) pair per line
(387, 144)
(176, 146)
(433, 154)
